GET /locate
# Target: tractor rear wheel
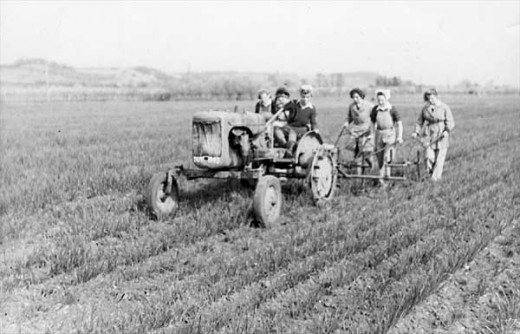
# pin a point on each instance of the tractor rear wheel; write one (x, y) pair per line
(267, 200)
(162, 196)
(322, 177)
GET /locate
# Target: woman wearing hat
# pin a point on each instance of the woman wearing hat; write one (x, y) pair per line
(361, 139)
(388, 129)
(438, 122)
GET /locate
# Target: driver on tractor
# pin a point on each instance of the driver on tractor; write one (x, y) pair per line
(301, 118)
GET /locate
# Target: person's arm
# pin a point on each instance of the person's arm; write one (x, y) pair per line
(373, 119)
(396, 117)
(419, 123)
(314, 125)
(290, 112)
(449, 122)
(373, 115)
(274, 109)
(349, 116)
(399, 129)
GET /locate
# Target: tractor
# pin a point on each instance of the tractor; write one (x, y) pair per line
(241, 145)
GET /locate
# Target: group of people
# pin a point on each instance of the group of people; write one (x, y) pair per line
(372, 129)
(294, 117)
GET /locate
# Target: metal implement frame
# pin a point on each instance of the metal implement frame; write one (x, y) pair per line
(405, 164)
(346, 175)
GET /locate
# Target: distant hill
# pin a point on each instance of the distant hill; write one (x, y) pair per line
(39, 79)
(34, 72)
(41, 72)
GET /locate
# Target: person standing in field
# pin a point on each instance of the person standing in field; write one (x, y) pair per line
(360, 139)
(388, 130)
(438, 122)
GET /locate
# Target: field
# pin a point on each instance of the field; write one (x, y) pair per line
(80, 255)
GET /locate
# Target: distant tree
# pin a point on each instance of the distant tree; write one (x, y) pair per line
(388, 82)
(273, 79)
(381, 81)
(396, 82)
(322, 80)
(466, 83)
(340, 80)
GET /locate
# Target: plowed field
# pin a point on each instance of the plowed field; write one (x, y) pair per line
(79, 254)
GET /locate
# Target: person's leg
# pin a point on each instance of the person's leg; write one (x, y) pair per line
(293, 135)
(439, 164)
(368, 149)
(291, 143)
(358, 160)
(381, 162)
(389, 156)
(429, 156)
(279, 136)
(350, 143)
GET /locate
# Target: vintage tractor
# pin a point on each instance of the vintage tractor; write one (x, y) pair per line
(241, 145)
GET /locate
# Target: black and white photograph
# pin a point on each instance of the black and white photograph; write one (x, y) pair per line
(260, 167)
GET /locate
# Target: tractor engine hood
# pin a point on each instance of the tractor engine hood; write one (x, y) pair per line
(254, 122)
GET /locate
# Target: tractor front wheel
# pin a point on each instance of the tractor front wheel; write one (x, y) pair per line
(162, 196)
(267, 200)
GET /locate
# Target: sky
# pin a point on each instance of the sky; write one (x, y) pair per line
(431, 42)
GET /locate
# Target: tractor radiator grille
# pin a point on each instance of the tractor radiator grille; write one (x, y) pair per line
(207, 138)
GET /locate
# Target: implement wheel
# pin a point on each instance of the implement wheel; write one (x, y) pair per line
(322, 176)
(267, 201)
(309, 143)
(162, 196)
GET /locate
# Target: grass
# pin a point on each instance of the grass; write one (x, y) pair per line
(72, 178)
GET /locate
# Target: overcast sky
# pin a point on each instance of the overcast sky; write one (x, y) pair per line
(436, 42)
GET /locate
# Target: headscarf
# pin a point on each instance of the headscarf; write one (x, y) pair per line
(386, 93)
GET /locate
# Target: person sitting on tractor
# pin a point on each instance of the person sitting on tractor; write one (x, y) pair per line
(264, 104)
(282, 103)
(300, 119)
(282, 97)
(389, 132)
(361, 138)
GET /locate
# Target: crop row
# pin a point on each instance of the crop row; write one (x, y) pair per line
(73, 247)
(62, 154)
(304, 302)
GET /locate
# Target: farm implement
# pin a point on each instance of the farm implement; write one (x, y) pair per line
(413, 169)
(241, 145)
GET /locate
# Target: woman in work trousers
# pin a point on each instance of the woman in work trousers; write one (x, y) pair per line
(437, 119)
(389, 132)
